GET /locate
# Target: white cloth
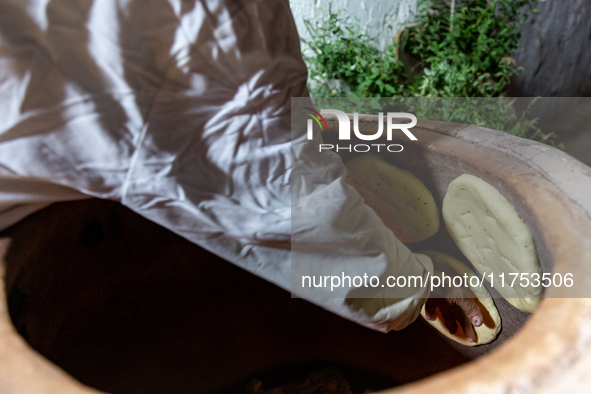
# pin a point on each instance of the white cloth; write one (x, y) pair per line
(180, 110)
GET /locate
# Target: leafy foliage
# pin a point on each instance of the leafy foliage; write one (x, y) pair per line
(462, 51)
(346, 62)
(465, 51)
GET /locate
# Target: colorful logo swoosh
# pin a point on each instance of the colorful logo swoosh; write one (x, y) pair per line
(316, 117)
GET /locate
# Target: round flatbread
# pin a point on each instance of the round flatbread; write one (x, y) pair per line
(398, 197)
(491, 324)
(490, 233)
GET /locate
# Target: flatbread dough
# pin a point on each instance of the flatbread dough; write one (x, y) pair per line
(491, 324)
(490, 233)
(398, 197)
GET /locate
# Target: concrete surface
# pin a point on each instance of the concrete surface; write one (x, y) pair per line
(382, 18)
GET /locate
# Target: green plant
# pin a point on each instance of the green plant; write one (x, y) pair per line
(345, 61)
(463, 47)
(459, 53)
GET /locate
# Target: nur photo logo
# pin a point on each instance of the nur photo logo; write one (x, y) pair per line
(345, 130)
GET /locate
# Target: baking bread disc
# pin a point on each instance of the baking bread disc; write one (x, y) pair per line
(490, 233)
(398, 197)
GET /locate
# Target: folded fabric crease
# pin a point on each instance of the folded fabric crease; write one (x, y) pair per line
(181, 110)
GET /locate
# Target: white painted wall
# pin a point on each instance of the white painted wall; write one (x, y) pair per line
(382, 18)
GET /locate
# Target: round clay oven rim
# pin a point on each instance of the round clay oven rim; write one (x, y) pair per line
(551, 352)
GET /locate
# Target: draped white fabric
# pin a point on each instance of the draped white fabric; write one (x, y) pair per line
(180, 110)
